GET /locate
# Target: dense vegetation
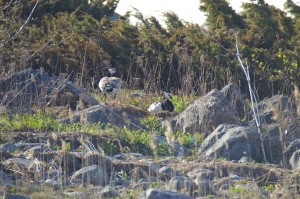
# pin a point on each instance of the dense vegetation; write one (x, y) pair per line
(81, 37)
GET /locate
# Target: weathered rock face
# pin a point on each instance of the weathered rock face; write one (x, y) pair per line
(232, 142)
(118, 116)
(93, 174)
(280, 126)
(28, 87)
(162, 194)
(67, 171)
(205, 114)
(278, 107)
(234, 95)
(295, 160)
(291, 155)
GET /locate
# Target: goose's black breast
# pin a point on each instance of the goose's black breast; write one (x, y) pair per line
(167, 105)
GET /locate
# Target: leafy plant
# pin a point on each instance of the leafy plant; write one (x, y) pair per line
(180, 103)
(238, 189)
(269, 187)
(153, 124)
(38, 122)
(186, 139)
(123, 175)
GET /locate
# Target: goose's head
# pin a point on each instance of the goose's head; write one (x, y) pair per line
(167, 95)
(112, 71)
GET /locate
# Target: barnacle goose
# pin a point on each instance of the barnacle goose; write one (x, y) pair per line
(110, 85)
(164, 104)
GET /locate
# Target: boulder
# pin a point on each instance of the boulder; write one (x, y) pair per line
(30, 86)
(181, 183)
(235, 96)
(280, 126)
(295, 160)
(205, 114)
(16, 196)
(76, 194)
(108, 192)
(166, 173)
(291, 149)
(104, 113)
(94, 174)
(8, 147)
(203, 174)
(162, 194)
(232, 142)
(93, 158)
(202, 187)
(278, 107)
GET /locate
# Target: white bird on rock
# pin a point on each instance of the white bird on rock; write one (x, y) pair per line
(164, 105)
(110, 85)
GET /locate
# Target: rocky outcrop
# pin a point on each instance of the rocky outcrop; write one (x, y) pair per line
(232, 142)
(104, 114)
(280, 127)
(162, 194)
(94, 174)
(234, 95)
(295, 160)
(35, 87)
(205, 114)
(44, 164)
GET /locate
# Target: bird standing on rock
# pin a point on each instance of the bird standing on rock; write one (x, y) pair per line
(110, 85)
(164, 105)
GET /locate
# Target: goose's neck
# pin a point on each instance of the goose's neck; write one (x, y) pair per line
(109, 74)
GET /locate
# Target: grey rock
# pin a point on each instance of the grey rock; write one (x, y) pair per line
(97, 159)
(51, 182)
(224, 187)
(162, 194)
(212, 138)
(295, 160)
(176, 149)
(16, 196)
(227, 181)
(203, 187)
(246, 160)
(202, 174)
(205, 114)
(105, 114)
(108, 192)
(7, 179)
(21, 88)
(273, 142)
(181, 183)
(160, 139)
(166, 173)
(20, 163)
(87, 99)
(76, 194)
(8, 147)
(232, 144)
(292, 147)
(95, 175)
(279, 105)
(234, 95)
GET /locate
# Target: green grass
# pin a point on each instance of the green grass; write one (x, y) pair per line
(26, 122)
(140, 141)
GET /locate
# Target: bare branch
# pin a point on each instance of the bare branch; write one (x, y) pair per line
(252, 95)
(21, 28)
